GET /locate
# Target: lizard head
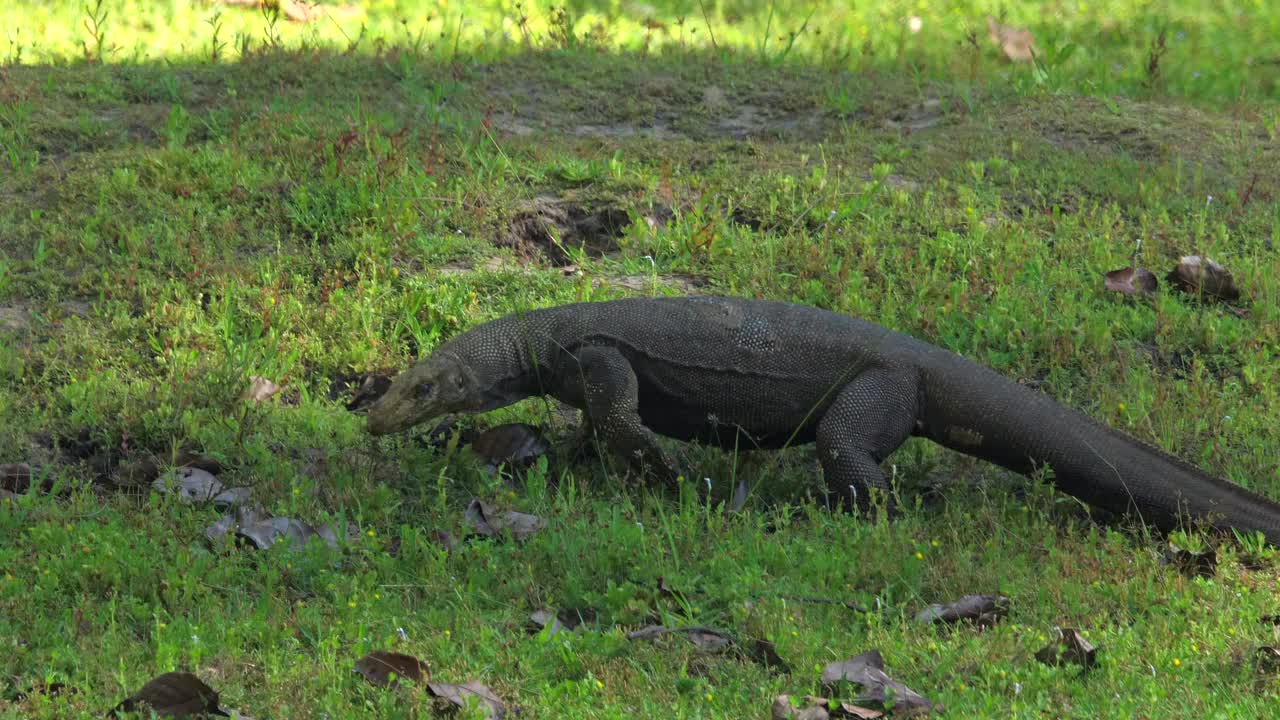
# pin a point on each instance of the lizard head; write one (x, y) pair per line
(436, 386)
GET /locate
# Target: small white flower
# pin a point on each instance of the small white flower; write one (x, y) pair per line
(914, 23)
(403, 636)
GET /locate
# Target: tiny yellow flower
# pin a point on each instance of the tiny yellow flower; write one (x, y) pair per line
(1003, 674)
(447, 633)
(395, 272)
(163, 626)
(351, 604)
(377, 596)
(1195, 648)
(919, 555)
(1121, 407)
(710, 697)
(599, 685)
(370, 533)
(1177, 662)
(935, 543)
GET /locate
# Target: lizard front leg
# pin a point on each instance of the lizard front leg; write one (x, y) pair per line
(871, 416)
(604, 385)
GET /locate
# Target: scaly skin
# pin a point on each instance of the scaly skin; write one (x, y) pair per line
(707, 369)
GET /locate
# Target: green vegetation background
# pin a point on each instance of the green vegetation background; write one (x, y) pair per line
(193, 194)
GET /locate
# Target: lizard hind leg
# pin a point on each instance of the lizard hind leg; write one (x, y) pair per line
(871, 416)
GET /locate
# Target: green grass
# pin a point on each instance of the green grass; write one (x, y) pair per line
(171, 226)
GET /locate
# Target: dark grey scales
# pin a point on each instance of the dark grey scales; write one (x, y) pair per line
(698, 368)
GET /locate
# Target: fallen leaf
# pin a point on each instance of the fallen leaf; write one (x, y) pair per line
(763, 651)
(378, 667)
(260, 529)
(783, 709)
(706, 639)
(1069, 647)
(1189, 563)
(15, 477)
(1018, 44)
(512, 444)
(261, 389)
(867, 671)
(1202, 276)
(539, 620)
(173, 694)
(983, 610)
(486, 521)
(857, 711)
(1131, 281)
(467, 693)
(194, 485)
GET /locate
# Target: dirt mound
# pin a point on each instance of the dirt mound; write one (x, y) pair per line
(549, 227)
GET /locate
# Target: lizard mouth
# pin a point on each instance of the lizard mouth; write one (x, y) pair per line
(385, 418)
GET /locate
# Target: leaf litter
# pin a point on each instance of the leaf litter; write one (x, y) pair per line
(1068, 647)
(173, 694)
(516, 445)
(1204, 277)
(877, 688)
(260, 529)
(485, 520)
(1131, 281)
(194, 485)
(981, 610)
(385, 669)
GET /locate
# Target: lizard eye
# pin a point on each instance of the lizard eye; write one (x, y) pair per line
(422, 390)
(459, 381)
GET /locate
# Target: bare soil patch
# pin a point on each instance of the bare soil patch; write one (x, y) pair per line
(548, 227)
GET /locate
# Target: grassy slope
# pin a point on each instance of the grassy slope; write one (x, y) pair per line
(171, 229)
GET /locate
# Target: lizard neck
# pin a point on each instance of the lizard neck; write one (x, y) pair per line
(511, 358)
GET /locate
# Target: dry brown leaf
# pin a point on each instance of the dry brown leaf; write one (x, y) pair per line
(511, 444)
(1017, 43)
(468, 693)
(1131, 281)
(487, 521)
(1069, 647)
(1203, 276)
(867, 672)
(261, 389)
(980, 609)
(378, 667)
(173, 694)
